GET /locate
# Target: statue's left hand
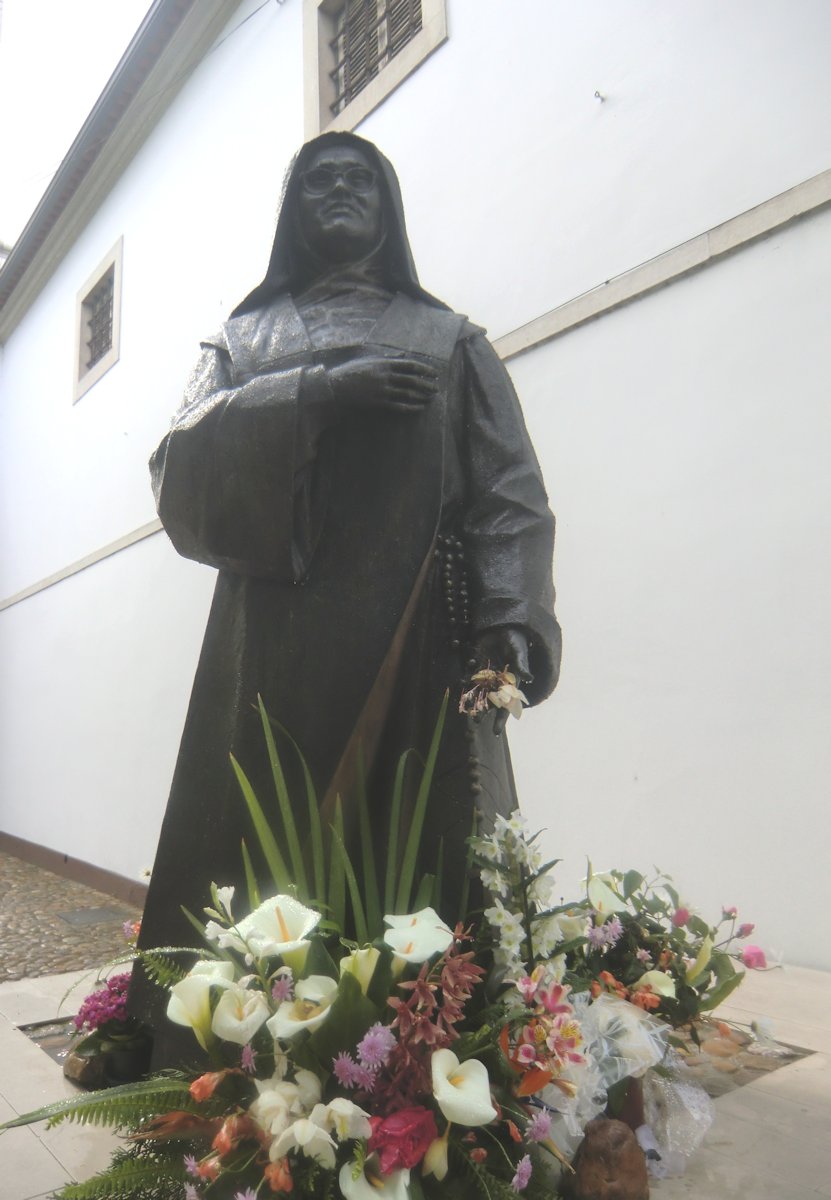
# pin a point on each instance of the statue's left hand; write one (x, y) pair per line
(506, 646)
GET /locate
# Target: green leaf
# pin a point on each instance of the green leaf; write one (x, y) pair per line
(350, 1016)
(405, 882)
(372, 899)
(380, 985)
(392, 844)
(119, 1107)
(435, 899)
(315, 827)
(632, 880)
(268, 844)
(358, 912)
(286, 811)
(721, 991)
(250, 879)
(318, 960)
(424, 894)
(337, 877)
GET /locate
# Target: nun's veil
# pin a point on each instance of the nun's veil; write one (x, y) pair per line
(290, 268)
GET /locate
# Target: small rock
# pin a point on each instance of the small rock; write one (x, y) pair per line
(87, 1070)
(609, 1164)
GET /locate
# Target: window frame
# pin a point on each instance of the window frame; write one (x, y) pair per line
(86, 377)
(318, 61)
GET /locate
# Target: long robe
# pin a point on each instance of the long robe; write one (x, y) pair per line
(359, 556)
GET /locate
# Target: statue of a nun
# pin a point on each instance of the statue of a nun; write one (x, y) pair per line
(352, 457)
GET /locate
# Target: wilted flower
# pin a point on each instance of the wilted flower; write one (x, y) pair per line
(497, 688)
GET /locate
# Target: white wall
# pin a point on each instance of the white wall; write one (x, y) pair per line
(686, 442)
(682, 437)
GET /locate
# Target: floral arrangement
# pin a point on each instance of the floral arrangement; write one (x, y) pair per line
(397, 1050)
(645, 946)
(103, 1015)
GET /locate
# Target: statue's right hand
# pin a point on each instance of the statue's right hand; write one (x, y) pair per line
(402, 384)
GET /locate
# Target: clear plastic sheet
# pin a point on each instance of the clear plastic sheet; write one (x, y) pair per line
(678, 1112)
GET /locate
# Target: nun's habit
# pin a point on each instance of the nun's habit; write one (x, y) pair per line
(359, 556)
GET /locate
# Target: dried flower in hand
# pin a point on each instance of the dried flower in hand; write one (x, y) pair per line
(492, 688)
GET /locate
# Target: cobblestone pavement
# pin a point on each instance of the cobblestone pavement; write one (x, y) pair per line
(49, 924)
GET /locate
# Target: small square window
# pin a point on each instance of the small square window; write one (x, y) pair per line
(357, 51)
(98, 323)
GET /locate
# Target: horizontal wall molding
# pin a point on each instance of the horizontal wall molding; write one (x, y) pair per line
(129, 891)
(89, 560)
(699, 252)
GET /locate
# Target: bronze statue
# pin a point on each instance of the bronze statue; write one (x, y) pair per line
(351, 455)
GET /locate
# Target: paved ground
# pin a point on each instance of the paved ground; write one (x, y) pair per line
(49, 924)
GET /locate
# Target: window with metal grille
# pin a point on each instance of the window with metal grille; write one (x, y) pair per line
(98, 323)
(368, 33)
(98, 316)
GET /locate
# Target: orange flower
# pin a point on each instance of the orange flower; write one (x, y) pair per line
(513, 1131)
(279, 1176)
(479, 1154)
(595, 989)
(205, 1086)
(209, 1168)
(645, 998)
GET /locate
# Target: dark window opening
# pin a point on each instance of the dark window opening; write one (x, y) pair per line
(98, 319)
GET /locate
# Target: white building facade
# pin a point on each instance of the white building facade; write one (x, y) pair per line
(634, 200)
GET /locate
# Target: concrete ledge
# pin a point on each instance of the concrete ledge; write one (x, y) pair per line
(117, 886)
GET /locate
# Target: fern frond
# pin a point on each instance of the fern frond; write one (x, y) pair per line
(120, 1107)
(160, 970)
(132, 1174)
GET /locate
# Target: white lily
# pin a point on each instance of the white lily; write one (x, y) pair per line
(281, 925)
(603, 899)
(272, 1109)
(308, 1137)
(660, 983)
(239, 1014)
(417, 936)
(190, 998)
(361, 964)
(308, 1089)
(368, 1183)
(308, 1010)
(462, 1090)
(343, 1118)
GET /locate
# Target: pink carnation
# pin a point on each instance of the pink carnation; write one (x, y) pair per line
(680, 916)
(745, 930)
(754, 958)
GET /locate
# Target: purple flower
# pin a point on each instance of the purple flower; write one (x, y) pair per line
(539, 1127)
(614, 930)
(376, 1045)
(283, 987)
(191, 1192)
(596, 937)
(249, 1059)
(643, 956)
(522, 1177)
(191, 1165)
(248, 1194)
(344, 1068)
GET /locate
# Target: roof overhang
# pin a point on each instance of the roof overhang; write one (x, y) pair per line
(171, 41)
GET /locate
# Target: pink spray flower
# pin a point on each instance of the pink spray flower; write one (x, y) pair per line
(680, 916)
(745, 931)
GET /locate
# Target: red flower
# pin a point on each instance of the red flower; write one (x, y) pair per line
(278, 1175)
(402, 1139)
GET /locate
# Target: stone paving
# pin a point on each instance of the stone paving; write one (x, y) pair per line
(49, 924)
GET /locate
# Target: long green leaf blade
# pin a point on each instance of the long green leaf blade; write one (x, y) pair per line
(250, 879)
(372, 900)
(286, 811)
(392, 844)
(315, 826)
(354, 891)
(268, 843)
(419, 809)
(337, 878)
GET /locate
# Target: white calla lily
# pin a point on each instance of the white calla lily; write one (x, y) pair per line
(239, 1014)
(435, 1160)
(417, 936)
(603, 899)
(308, 1010)
(343, 1118)
(461, 1090)
(660, 983)
(309, 1138)
(361, 964)
(190, 998)
(368, 1183)
(280, 926)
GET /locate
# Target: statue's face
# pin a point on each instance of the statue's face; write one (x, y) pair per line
(339, 204)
